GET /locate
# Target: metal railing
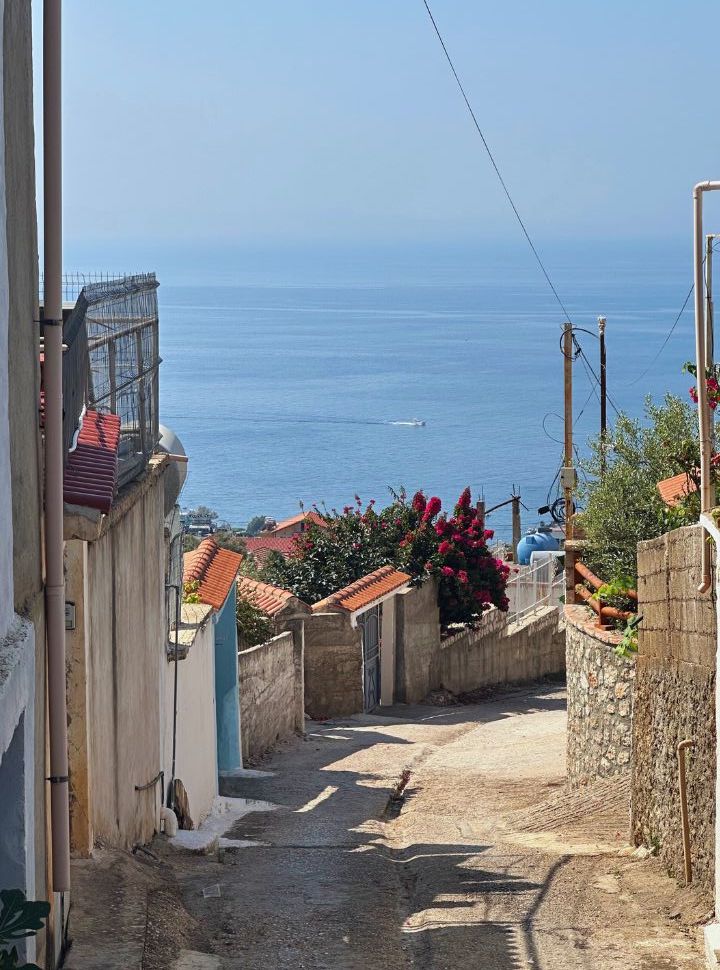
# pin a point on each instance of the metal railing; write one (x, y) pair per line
(535, 586)
(582, 575)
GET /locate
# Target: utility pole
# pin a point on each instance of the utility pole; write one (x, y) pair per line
(568, 472)
(515, 525)
(603, 392)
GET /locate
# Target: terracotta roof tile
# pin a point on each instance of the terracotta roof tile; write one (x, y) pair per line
(314, 517)
(673, 490)
(213, 569)
(260, 546)
(270, 599)
(364, 592)
(90, 476)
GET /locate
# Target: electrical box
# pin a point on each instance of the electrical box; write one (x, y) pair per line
(568, 478)
(69, 615)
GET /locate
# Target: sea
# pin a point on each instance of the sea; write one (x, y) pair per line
(293, 377)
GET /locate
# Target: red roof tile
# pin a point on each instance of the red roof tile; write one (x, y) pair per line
(260, 546)
(673, 490)
(213, 569)
(364, 592)
(310, 517)
(270, 599)
(90, 476)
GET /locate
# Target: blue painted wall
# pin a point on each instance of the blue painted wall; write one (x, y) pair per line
(227, 697)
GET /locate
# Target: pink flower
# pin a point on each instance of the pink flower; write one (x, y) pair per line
(483, 596)
(419, 502)
(447, 571)
(464, 500)
(457, 537)
(441, 526)
(432, 508)
(428, 566)
(463, 576)
(444, 547)
(488, 534)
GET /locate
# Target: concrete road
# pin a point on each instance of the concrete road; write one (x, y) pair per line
(489, 862)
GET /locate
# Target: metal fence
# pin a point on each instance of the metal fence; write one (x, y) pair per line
(540, 584)
(112, 360)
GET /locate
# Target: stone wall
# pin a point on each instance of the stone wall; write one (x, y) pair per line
(267, 694)
(333, 666)
(499, 652)
(417, 643)
(599, 700)
(674, 700)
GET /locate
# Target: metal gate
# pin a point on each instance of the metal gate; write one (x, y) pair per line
(370, 625)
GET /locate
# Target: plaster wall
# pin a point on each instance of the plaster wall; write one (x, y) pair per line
(674, 700)
(196, 744)
(333, 666)
(267, 694)
(500, 652)
(417, 643)
(115, 658)
(227, 709)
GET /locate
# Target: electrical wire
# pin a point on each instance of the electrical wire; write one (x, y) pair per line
(494, 163)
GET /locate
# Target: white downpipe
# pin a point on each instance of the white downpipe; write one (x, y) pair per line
(707, 500)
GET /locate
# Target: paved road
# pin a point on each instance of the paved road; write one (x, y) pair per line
(489, 864)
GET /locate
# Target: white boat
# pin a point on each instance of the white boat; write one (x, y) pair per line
(415, 423)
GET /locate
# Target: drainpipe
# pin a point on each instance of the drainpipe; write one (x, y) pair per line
(54, 544)
(707, 499)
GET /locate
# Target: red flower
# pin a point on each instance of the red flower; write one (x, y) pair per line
(441, 526)
(447, 571)
(432, 508)
(463, 576)
(464, 500)
(428, 565)
(444, 547)
(488, 534)
(419, 502)
(457, 537)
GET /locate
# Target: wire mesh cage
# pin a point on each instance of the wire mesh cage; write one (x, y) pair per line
(112, 360)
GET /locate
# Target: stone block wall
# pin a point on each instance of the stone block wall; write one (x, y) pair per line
(500, 652)
(267, 694)
(417, 643)
(599, 700)
(333, 666)
(674, 700)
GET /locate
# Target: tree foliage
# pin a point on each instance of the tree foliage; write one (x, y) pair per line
(623, 506)
(253, 624)
(412, 536)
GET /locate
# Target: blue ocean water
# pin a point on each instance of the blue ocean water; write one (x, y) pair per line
(283, 379)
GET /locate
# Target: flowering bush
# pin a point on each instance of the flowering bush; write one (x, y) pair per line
(412, 536)
(712, 384)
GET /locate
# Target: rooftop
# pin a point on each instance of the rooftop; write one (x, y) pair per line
(674, 490)
(270, 599)
(310, 517)
(213, 569)
(260, 546)
(364, 592)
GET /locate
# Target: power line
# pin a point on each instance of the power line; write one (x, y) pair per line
(494, 163)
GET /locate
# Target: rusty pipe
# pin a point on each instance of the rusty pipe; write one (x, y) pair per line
(54, 544)
(682, 784)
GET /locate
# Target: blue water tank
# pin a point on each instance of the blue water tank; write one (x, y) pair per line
(541, 540)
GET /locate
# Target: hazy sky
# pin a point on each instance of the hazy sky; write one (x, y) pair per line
(330, 120)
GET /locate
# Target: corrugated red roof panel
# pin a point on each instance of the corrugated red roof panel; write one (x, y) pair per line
(213, 569)
(90, 476)
(364, 592)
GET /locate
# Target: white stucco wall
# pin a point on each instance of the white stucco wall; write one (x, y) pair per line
(6, 529)
(196, 746)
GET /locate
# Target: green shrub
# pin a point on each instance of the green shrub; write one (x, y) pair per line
(253, 624)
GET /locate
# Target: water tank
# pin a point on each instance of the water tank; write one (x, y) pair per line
(175, 476)
(537, 540)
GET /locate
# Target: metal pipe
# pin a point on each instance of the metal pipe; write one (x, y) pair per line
(603, 394)
(54, 544)
(706, 483)
(567, 346)
(682, 784)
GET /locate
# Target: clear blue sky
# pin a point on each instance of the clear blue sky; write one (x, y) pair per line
(284, 122)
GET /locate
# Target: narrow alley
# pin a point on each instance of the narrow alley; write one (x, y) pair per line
(485, 860)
